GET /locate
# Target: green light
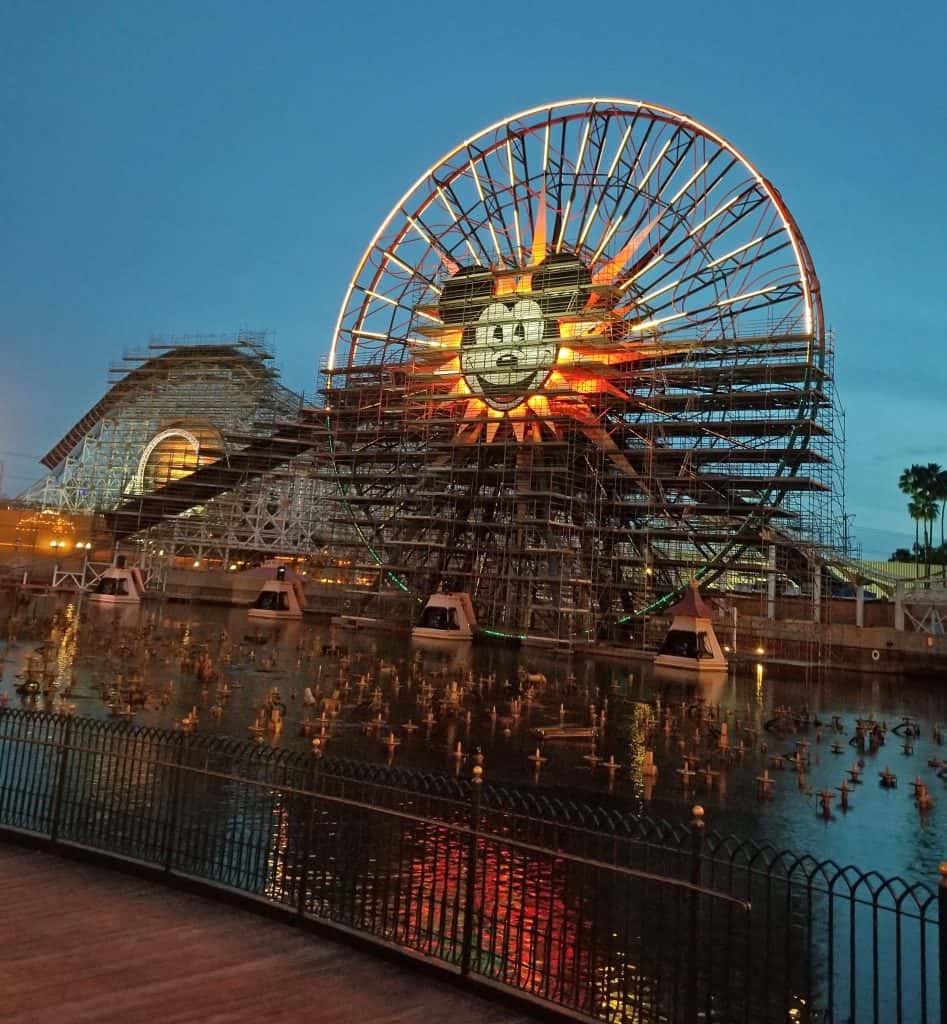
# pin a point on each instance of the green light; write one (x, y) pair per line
(398, 581)
(502, 635)
(662, 601)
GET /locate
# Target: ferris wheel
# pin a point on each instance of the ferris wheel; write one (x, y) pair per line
(582, 361)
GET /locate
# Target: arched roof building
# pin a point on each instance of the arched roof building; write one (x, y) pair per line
(163, 454)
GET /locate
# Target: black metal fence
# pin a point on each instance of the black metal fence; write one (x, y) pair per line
(607, 916)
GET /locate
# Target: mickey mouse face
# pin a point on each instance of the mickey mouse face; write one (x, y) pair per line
(509, 355)
(509, 348)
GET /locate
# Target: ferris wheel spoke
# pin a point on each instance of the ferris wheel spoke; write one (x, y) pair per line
(514, 203)
(675, 217)
(743, 251)
(389, 257)
(430, 236)
(619, 155)
(499, 185)
(555, 171)
(601, 124)
(590, 146)
(694, 238)
(520, 161)
(497, 252)
(682, 291)
(683, 217)
(741, 274)
(682, 143)
(772, 295)
(636, 201)
(461, 222)
(611, 219)
(731, 215)
(486, 184)
(476, 248)
(660, 284)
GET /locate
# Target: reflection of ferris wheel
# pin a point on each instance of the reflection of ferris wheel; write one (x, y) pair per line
(582, 360)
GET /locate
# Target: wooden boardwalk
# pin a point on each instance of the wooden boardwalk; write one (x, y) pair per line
(80, 943)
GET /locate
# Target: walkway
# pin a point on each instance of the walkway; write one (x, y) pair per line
(82, 943)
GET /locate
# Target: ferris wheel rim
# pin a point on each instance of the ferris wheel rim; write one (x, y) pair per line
(804, 264)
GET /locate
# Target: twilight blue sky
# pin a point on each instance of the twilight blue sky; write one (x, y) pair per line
(191, 167)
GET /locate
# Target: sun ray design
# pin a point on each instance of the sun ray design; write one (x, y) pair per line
(539, 230)
(501, 338)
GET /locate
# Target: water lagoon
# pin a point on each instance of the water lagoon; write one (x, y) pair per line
(99, 660)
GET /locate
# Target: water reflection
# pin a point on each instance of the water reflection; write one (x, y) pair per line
(382, 698)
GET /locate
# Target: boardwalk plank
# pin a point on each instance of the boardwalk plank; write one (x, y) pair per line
(84, 945)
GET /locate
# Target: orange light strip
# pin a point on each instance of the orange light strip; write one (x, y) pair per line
(539, 230)
(610, 270)
(634, 277)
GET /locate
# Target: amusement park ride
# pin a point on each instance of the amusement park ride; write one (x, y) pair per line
(581, 363)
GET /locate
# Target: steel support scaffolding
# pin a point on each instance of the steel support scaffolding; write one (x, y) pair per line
(568, 525)
(194, 453)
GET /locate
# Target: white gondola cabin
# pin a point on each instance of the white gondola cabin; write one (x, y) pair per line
(446, 616)
(279, 598)
(118, 585)
(691, 642)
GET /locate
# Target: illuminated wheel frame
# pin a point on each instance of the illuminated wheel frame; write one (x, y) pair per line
(581, 361)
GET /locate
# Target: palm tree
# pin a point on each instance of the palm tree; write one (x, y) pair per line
(930, 517)
(923, 509)
(938, 492)
(930, 494)
(911, 483)
(911, 478)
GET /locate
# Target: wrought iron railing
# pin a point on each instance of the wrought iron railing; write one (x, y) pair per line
(606, 915)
